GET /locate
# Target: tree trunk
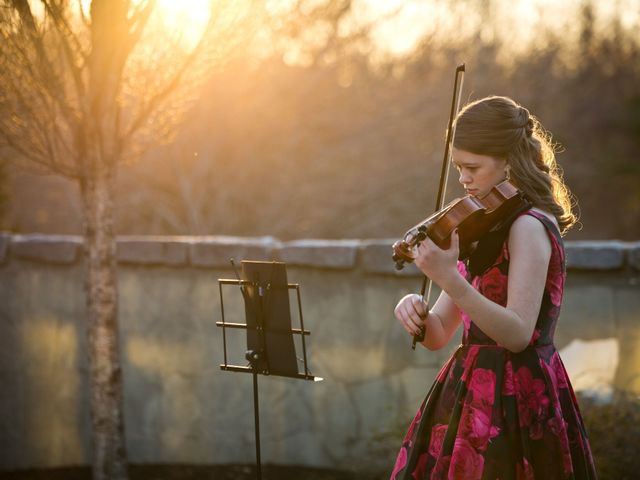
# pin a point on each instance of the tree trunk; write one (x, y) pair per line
(109, 449)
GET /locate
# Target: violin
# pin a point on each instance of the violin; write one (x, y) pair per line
(473, 217)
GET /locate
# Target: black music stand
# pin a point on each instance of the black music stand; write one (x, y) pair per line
(270, 345)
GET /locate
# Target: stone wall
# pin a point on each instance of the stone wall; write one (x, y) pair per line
(179, 405)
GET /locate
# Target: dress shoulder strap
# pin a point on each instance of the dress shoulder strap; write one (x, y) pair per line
(552, 230)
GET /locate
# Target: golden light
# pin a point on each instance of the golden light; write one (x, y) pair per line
(185, 19)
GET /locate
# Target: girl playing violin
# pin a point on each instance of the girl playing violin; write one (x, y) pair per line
(502, 407)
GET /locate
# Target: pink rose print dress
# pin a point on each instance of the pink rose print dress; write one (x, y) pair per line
(494, 414)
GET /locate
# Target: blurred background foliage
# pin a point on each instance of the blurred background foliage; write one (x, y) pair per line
(330, 122)
(613, 434)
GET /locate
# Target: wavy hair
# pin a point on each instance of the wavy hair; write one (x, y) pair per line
(498, 127)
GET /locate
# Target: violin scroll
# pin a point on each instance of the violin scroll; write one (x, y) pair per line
(402, 253)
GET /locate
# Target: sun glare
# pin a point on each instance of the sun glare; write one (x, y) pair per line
(186, 19)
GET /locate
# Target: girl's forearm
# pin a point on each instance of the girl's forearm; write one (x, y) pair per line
(504, 326)
(435, 335)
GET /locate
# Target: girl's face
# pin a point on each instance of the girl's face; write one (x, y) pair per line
(478, 173)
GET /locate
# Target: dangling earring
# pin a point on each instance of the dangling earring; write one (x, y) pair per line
(507, 171)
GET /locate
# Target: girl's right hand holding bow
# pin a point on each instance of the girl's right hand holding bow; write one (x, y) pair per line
(411, 312)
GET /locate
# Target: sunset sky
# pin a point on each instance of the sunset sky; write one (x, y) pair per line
(399, 24)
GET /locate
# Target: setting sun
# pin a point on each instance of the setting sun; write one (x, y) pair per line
(186, 19)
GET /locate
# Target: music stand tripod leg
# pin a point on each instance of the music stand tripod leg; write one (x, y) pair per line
(253, 358)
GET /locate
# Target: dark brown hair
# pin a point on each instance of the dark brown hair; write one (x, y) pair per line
(500, 128)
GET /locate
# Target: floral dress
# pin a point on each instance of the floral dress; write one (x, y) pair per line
(495, 414)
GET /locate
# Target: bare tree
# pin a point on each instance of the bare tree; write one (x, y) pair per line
(84, 89)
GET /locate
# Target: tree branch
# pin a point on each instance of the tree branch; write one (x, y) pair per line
(156, 100)
(66, 34)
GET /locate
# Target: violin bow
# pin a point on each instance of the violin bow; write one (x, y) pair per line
(444, 175)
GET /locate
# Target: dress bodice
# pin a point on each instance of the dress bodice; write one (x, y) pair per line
(493, 284)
